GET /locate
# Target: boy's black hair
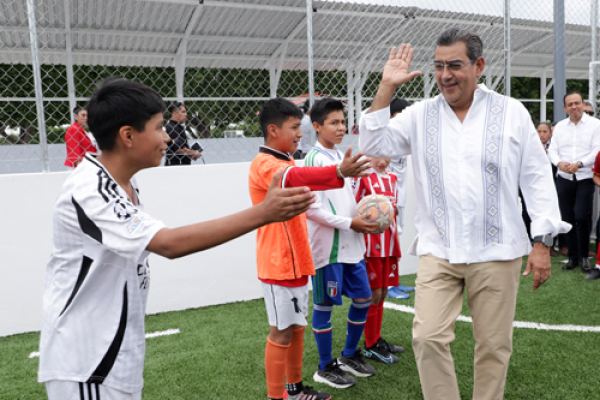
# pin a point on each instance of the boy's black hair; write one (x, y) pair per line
(322, 108)
(120, 102)
(397, 105)
(77, 109)
(275, 112)
(175, 107)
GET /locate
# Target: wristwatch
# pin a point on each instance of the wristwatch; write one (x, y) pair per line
(580, 164)
(546, 240)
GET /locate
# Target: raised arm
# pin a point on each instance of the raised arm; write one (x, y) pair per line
(396, 72)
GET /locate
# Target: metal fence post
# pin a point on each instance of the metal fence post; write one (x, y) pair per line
(560, 64)
(37, 80)
(507, 47)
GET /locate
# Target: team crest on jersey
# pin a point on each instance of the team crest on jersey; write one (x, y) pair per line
(332, 288)
(372, 276)
(124, 210)
(135, 222)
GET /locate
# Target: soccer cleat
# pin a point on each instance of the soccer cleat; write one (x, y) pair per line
(379, 352)
(396, 293)
(406, 289)
(392, 348)
(308, 393)
(356, 364)
(333, 376)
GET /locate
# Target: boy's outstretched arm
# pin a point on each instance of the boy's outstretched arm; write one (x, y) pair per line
(329, 177)
(279, 205)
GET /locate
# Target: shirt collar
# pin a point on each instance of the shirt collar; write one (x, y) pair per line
(320, 146)
(275, 153)
(583, 120)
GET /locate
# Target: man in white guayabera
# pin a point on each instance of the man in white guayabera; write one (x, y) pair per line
(471, 150)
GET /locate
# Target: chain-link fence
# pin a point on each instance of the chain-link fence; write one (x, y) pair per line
(223, 59)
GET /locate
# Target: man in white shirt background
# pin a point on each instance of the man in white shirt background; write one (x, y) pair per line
(471, 149)
(575, 144)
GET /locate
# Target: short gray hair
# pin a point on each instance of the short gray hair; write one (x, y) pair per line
(467, 36)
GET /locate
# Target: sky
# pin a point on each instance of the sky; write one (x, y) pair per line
(576, 11)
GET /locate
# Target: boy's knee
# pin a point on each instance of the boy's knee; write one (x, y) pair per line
(283, 337)
(377, 296)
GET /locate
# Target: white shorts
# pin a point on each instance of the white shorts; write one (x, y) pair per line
(286, 306)
(68, 390)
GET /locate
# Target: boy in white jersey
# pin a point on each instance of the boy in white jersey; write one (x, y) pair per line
(382, 258)
(92, 343)
(338, 249)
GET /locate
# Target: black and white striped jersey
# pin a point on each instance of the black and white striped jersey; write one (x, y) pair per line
(97, 283)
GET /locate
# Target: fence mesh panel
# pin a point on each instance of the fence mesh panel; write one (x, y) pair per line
(223, 59)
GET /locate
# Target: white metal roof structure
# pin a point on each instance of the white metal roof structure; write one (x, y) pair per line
(345, 41)
(252, 33)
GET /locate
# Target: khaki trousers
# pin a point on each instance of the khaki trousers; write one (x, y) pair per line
(492, 296)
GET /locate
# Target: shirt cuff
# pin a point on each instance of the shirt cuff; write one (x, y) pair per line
(377, 119)
(548, 226)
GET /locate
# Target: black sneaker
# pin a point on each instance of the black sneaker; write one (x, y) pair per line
(356, 364)
(392, 348)
(333, 376)
(594, 274)
(308, 393)
(379, 352)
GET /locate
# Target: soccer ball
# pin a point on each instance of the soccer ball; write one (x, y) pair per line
(378, 209)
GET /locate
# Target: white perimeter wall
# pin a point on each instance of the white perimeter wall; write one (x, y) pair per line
(177, 196)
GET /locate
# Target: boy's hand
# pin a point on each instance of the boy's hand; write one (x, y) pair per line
(353, 166)
(284, 204)
(360, 225)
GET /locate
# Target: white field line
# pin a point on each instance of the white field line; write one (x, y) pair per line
(516, 324)
(148, 336)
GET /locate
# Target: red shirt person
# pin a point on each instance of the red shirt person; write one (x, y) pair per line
(78, 141)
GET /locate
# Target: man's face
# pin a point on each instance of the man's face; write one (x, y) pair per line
(288, 135)
(81, 118)
(457, 84)
(150, 145)
(333, 129)
(544, 132)
(180, 115)
(574, 106)
(588, 110)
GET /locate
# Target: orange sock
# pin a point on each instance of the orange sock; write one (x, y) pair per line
(295, 355)
(275, 361)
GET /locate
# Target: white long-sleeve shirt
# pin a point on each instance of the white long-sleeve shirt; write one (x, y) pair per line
(329, 220)
(572, 143)
(467, 175)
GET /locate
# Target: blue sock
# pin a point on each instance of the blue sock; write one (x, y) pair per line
(357, 317)
(321, 322)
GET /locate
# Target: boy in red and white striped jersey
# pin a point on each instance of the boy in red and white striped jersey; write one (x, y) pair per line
(382, 257)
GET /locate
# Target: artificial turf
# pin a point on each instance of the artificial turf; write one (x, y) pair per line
(219, 351)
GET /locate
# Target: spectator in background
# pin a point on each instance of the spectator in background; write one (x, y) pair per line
(178, 151)
(575, 144)
(588, 108)
(77, 139)
(562, 240)
(306, 128)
